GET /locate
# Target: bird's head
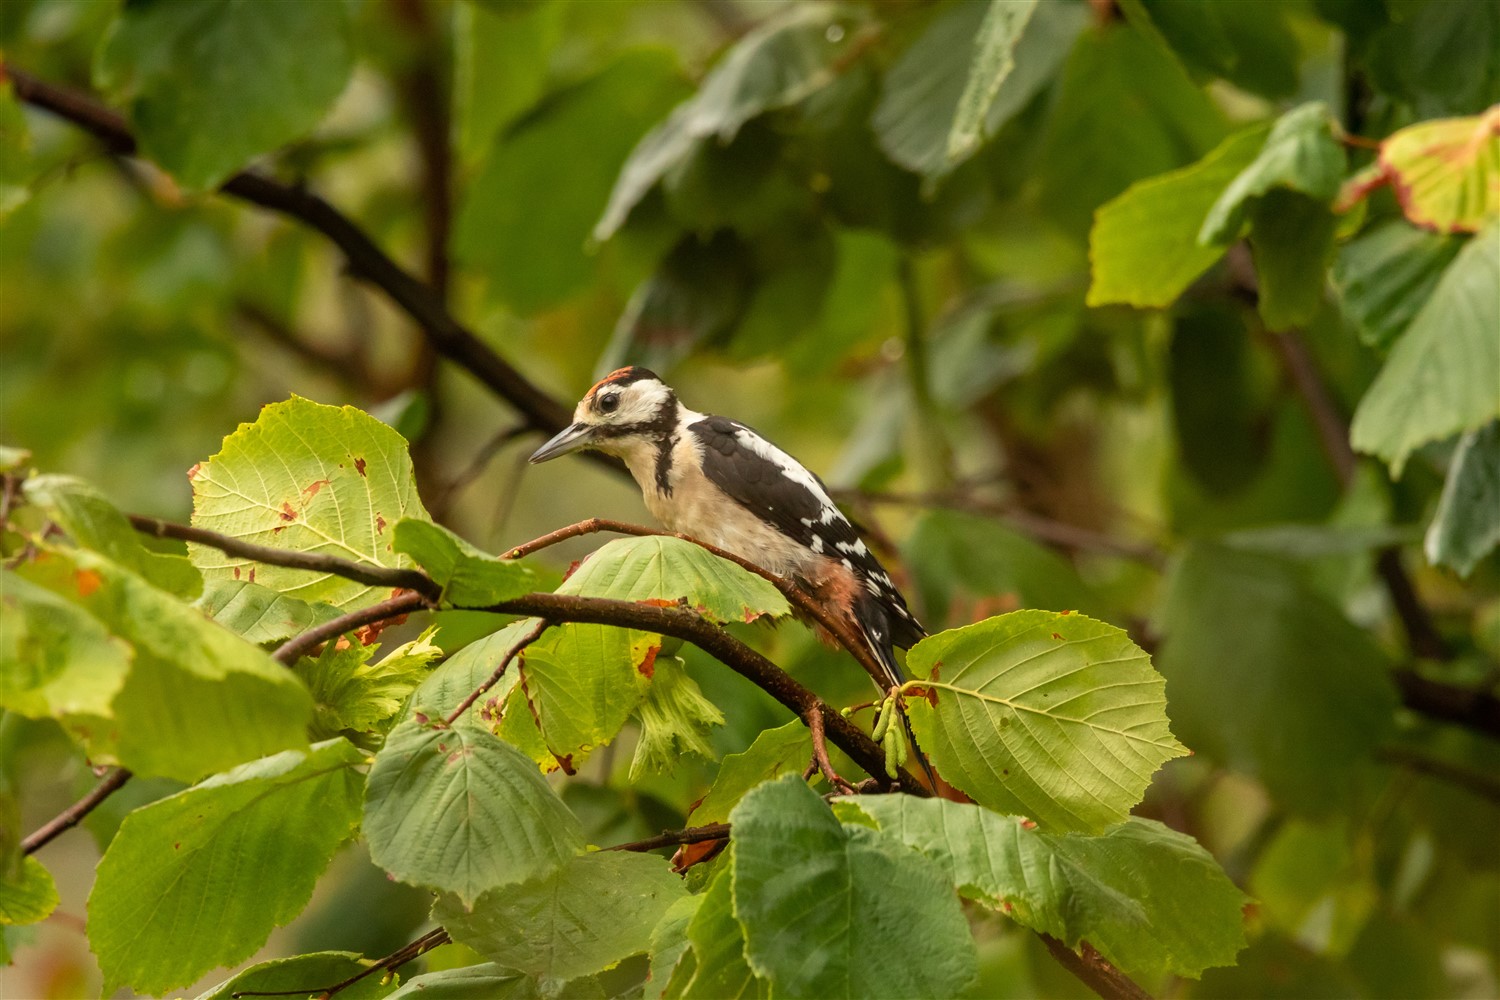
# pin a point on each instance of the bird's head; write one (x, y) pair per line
(623, 410)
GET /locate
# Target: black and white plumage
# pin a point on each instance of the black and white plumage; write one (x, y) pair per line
(719, 481)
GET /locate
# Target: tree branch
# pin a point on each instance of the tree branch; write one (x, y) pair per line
(1094, 970)
(675, 838)
(1472, 708)
(406, 953)
(74, 814)
(505, 661)
(447, 336)
(402, 604)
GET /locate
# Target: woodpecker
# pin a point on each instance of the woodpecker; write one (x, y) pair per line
(719, 481)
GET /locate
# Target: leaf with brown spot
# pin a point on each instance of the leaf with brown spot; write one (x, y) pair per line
(359, 466)
(311, 489)
(88, 581)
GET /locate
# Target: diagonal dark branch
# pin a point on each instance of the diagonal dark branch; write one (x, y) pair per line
(494, 678)
(1472, 708)
(74, 814)
(406, 953)
(447, 335)
(395, 607)
(675, 838)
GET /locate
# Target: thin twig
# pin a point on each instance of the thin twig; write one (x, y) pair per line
(481, 461)
(1480, 783)
(406, 953)
(820, 762)
(1473, 708)
(526, 640)
(675, 838)
(74, 814)
(1094, 970)
(394, 607)
(366, 573)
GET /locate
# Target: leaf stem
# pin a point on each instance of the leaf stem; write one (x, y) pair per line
(416, 949)
(536, 633)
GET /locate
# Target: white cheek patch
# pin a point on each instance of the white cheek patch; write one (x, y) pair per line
(640, 402)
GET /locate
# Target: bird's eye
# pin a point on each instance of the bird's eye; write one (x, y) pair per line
(609, 403)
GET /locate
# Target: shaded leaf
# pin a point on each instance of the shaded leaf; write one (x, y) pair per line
(1440, 377)
(217, 83)
(669, 942)
(868, 903)
(27, 894)
(488, 980)
(309, 478)
(197, 697)
(775, 752)
(675, 721)
(564, 156)
(56, 659)
(310, 972)
(1291, 238)
(1467, 524)
(459, 810)
(94, 523)
(1268, 678)
(1144, 246)
(1300, 153)
(259, 614)
(501, 60)
(717, 941)
(663, 568)
(584, 917)
(447, 686)
(1054, 716)
(1148, 898)
(469, 577)
(246, 846)
(17, 168)
(1385, 276)
(776, 64)
(992, 63)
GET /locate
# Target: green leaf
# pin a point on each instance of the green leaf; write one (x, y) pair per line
(94, 523)
(718, 949)
(501, 60)
(308, 478)
(992, 63)
(660, 568)
(1446, 174)
(579, 684)
(245, 846)
(952, 555)
(220, 82)
(17, 167)
(259, 614)
(1384, 277)
(1148, 898)
(1439, 379)
(586, 916)
(1269, 679)
(778, 63)
(1301, 153)
(564, 156)
(351, 693)
(28, 894)
(56, 659)
(309, 973)
(459, 810)
(443, 689)
(669, 943)
(12, 459)
(1253, 46)
(1291, 238)
(1144, 246)
(783, 750)
(1133, 109)
(675, 721)
(1467, 524)
(884, 920)
(197, 699)
(1054, 716)
(469, 578)
(488, 980)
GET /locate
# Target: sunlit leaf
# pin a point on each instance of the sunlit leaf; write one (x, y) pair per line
(469, 578)
(868, 903)
(1386, 276)
(216, 83)
(775, 752)
(246, 846)
(1440, 377)
(56, 659)
(310, 971)
(94, 523)
(309, 478)
(1050, 715)
(259, 614)
(1467, 524)
(582, 918)
(1144, 246)
(351, 693)
(1300, 153)
(488, 980)
(459, 810)
(1148, 898)
(665, 569)
(28, 894)
(1446, 174)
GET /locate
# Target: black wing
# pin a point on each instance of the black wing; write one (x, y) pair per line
(782, 492)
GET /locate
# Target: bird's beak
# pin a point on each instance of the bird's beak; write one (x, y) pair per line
(569, 439)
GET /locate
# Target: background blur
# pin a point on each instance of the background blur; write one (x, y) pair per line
(811, 259)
